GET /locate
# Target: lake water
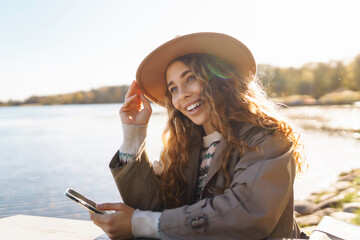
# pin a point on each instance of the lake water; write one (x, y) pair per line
(46, 149)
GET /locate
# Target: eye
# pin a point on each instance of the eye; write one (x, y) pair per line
(191, 78)
(172, 90)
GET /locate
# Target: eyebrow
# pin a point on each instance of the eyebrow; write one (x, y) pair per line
(181, 76)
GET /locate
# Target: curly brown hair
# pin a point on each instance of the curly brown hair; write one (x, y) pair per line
(244, 101)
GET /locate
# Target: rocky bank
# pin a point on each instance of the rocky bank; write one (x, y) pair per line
(340, 201)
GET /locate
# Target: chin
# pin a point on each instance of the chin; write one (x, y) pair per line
(199, 123)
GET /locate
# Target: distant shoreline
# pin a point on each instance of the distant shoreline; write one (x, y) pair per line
(112, 94)
(285, 104)
(116, 94)
(293, 103)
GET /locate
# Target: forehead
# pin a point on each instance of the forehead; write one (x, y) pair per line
(175, 70)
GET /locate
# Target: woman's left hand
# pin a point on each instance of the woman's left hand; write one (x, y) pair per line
(116, 225)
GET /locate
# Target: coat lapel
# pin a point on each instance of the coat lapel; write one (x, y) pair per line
(193, 167)
(216, 162)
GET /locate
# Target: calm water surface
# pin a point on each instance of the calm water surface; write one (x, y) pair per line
(46, 149)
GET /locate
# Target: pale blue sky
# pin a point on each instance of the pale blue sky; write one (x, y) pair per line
(60, 46)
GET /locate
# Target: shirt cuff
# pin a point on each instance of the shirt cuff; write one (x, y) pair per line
(145, 224)
(133, 142)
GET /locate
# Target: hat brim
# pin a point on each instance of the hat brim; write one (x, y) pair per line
(150, 75)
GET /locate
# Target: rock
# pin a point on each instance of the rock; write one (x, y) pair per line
(342, 185)
(349, 190)
(349, 178)
(325, 212)
(308, 230)
(308, 220)
(314, 218)
(344, 193)
(343, 216)
(325, 196)
(351, 207)
(355, 172)
(296, 214)
(333, 202)
(350, 196)
(304, 207)
(314, 197)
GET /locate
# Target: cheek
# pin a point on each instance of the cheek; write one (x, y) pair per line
(175, 103)
(199, 87)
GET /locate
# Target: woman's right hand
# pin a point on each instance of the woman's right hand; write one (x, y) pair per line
(136, 109)
(116, 225)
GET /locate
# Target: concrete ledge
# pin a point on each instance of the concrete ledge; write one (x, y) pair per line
(332, 229)
(35, 227)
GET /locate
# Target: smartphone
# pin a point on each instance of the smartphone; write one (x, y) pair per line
(83, 201)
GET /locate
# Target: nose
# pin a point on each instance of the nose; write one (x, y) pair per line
(183, 93)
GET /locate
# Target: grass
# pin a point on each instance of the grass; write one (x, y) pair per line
(349, 197)
(356, 220)
(357, 181)
(318, 197)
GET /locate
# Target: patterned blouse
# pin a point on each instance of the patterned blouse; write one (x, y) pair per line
(210, 143)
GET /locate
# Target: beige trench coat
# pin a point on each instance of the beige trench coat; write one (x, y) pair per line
(258, 204)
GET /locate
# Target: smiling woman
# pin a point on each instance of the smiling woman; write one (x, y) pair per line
(228, 164)
(186, 91)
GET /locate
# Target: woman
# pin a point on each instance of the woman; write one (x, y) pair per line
(228, 164)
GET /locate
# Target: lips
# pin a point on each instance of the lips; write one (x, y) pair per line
(193, 106)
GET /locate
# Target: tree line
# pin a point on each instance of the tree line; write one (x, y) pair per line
(312, 79)
(113, 94)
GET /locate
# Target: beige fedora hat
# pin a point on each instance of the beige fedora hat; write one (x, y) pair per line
(150, 75)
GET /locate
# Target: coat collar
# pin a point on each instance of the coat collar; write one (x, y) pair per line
(194, 161)
(217, 161)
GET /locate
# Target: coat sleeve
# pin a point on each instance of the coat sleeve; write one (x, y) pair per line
(250, 208)
(137, 183)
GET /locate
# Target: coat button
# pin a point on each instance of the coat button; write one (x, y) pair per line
(199, 222)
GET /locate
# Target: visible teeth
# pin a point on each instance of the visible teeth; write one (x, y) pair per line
(192, 106)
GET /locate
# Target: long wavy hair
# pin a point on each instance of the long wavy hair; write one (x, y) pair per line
(230, 98)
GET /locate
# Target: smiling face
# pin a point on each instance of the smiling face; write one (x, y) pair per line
(186, 90)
